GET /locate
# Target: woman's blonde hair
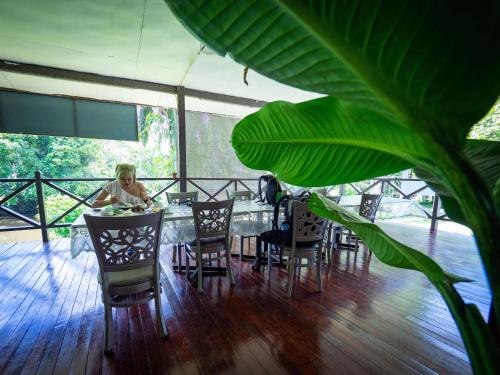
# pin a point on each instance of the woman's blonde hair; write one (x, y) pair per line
(123, 169)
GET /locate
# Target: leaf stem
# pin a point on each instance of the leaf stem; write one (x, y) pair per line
(477, 205)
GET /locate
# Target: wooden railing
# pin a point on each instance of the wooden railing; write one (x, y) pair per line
(382, 185)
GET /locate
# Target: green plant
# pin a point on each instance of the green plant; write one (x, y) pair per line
(405, 81)
(56, 205)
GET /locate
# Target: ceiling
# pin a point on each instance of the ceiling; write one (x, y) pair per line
(140, 40)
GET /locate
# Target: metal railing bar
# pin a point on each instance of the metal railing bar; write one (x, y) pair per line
(60, 225)
(74, 207)
(220, 190)
(68, 193)
(17, 180)
(371, 186)
(164, 189)
(418, 190)
(355, 188)
(15, 192)
(19, 216)
(398, 189)
(199, 187)
(245, 185)
(221, 179)
(45, 180)
(11, 229)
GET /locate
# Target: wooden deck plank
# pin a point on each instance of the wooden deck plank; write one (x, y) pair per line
(63, 307)
(32, 315)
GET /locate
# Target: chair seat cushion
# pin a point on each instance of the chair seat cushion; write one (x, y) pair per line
(208, 245)
(303, 252)
(130, 277)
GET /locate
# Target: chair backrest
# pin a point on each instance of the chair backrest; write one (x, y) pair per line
(369, 206)
(306, 225)
(212, 219)
(241, 195)
(126, 243)
(335, 198)
(182, 198)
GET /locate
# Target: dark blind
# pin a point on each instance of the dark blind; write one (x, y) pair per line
(50, 115)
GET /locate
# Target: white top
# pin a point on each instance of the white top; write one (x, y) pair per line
(113, 188)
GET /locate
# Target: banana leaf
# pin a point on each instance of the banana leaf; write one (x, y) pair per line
(325, 141)
(427, 63)
(478, 339)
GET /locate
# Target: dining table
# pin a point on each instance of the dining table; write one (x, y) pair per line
(178, 225)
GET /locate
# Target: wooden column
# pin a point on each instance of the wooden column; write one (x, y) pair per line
(435, 212)
(181, 137)
(41, 206)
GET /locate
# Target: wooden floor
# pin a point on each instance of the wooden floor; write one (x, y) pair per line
(370, 318)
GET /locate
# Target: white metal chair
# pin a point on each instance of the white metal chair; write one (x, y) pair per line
(246, 226)
(307, 228)
(182, 198)
(212, 221)
(127, 250)
(367, 209)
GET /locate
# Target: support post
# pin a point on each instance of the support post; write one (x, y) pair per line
(435, 211)
(41, 206)
(342, 189)
(181, 137)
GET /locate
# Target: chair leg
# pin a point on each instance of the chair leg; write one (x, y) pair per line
(291, 274)
(318, 270)
(174, 254)
(269, 261)
(159, 313)
(228, 266)
(188, 266)
(242, 243)
(179, 250)
(199, 264)
(329, 244)
(108, 330)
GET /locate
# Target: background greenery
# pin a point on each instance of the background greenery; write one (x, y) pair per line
(61, 157)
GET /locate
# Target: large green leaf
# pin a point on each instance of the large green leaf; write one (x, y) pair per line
(387, 249)
(430, 63)
(485, 157)
(324, 141)
(478, 339)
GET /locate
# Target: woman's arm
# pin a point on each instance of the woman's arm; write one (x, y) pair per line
(143, 194)
(101, 200)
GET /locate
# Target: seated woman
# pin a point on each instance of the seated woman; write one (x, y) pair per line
(125, 189)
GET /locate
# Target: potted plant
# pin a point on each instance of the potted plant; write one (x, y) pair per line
(404, 83)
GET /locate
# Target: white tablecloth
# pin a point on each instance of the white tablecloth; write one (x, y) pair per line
(249, 218)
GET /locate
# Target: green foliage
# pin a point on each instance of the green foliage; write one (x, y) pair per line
(489, 127)
(58, 204)
(406, 82)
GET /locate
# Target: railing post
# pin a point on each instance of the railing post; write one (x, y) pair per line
(382, 187)
(342, 189)
(181, 138)
(435, 210)
(41, 206)
(235, 185)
